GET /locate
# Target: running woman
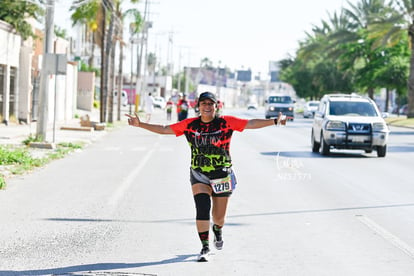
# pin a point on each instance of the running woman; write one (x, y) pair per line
(211, 176)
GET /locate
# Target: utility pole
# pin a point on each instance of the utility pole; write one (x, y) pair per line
(144, 34)
(179, 73)
(218, 80)
(132, 68)
(102, 96)
(44, 79)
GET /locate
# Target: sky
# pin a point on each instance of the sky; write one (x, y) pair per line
(238, 34)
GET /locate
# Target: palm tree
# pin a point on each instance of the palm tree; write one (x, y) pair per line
(206, 63)
(316, 69)
(87, 15)
(135, 28)
(115, 36)
(97, 13)
(389, 31)
(364, 57)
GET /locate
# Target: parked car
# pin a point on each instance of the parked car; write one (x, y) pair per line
(345, 121)
(159, 102)
(404, 109)
(124, 98)
(310, 108)
(279, 103)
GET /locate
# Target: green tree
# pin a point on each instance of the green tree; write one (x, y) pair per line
(361, 17)
(105, 19)
(341, 54)
(206, 63)
(295, 72)
(315, 70)
(11, 11)
(180, 77)
(393, 73)
(390, 29)
(119, 37)
(118, 16)
(86, 13)
(59, 32)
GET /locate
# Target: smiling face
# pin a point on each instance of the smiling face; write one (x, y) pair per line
(207, 109)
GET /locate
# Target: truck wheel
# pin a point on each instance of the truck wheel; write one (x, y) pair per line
(381, 151)
(315, 145)
(324, 147)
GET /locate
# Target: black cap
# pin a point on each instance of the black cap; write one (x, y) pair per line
(207, 95)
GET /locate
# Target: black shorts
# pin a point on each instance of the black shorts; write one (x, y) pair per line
(198, 177)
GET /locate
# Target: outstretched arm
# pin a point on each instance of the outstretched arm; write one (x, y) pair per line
(161, 129)
(259, 123)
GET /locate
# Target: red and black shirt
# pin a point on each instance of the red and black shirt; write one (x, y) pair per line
(209, 142)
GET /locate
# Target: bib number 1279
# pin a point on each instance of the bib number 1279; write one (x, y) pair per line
(221, 185)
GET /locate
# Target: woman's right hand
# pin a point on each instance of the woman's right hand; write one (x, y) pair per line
(281, 119)
(133, 120)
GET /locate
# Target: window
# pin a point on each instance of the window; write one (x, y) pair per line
(12, 97)
(351, 108)
(2, 73)
(280, 99)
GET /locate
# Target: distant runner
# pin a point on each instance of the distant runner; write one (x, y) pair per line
(182, 108)
(211, 174)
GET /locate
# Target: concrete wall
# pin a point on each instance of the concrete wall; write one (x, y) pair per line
(10, 45)
(25, 84)
(86, 88)
(71, 91)
(62, 95)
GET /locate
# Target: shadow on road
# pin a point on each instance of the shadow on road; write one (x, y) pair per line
(74, 270)
(310, 154)
(338, 154)
(289, 212)
(394, 133)
(181, 258)
(189, 221)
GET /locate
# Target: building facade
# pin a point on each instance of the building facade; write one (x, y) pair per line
(9, 70)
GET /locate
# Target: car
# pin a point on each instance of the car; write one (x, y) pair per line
(159, 102)
(252, 106)
(279, 103)
(349, 121)
(124, 98)
(310, 108)
(404, 109)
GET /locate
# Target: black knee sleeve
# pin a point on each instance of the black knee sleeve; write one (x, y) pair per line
(203, 206)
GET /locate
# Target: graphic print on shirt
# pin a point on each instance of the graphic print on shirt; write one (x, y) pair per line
(210, 142)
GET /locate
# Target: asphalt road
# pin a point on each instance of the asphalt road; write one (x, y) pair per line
(123, 206)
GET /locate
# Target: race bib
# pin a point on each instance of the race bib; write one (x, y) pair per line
(222, 185)
(184, 106)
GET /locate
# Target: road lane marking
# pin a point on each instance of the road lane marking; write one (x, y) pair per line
(166, 149)
(127, 182)
(111, 149)
(139, 149)
(394, 240)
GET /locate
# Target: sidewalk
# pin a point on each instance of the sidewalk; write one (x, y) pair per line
(15, 134)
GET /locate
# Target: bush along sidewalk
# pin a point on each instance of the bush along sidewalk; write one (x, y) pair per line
(16, 160)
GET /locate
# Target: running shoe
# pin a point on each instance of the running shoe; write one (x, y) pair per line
(218, 239)
(203, 257)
